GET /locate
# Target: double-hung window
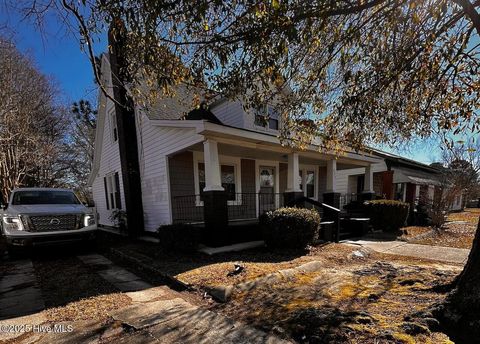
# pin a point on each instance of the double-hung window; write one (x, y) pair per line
(112, 191)
(266, 116)
(306, 180)
(113, 126)
(228, 176)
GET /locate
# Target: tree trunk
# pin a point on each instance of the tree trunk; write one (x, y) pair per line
(460, 314)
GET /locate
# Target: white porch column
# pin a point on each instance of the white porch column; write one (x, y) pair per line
(368, 184)
(331, 175)
(292, 173)
(213, 179)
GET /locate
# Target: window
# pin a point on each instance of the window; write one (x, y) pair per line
(44, 197)
(113, 125)
(267, 117)
(399, 191)
(228, 180)
(310, 184)
(272, 117)
(306, 182)
(260, 120)
(112, 191)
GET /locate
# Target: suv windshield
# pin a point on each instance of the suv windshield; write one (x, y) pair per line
(44, 197)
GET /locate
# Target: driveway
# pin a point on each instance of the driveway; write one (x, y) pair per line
(78, 296)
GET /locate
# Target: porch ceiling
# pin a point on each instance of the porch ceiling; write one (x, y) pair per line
(260, 152)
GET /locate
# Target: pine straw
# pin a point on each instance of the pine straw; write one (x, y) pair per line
(74, 291)
(92, 308)
(264, 263)
(332, 305)
(459, 235)
(411, 232)
(470, 215)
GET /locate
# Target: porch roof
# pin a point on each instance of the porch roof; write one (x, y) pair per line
(249, 139)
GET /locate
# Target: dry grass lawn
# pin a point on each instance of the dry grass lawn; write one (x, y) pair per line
(453, 234)
(351, 300)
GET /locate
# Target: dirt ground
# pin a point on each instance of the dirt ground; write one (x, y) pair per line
(358, 296)
(372, 299)
(458, 232)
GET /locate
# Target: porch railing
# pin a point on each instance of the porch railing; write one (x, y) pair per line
(187, 209)
(347, 199)
(244, 206)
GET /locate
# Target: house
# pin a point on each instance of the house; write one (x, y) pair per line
(398, 178)
(216, 164)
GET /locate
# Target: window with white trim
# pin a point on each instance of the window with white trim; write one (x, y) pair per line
(113, 126)
(266, 116)
(228, 175)
(112, 191)
(307, 182)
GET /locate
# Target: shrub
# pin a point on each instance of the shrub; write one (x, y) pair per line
(387, 215)
(290, 227)
(179, 237)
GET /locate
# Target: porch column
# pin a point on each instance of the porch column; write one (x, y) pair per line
(213, 179)
(293, 191)
(331, 197)
(368, 192)
(331, 175)
(215, 205)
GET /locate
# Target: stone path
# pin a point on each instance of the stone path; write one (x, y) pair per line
(401, 248)
(19, 292)
(122, 279)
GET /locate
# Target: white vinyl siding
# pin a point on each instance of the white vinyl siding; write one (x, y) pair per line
(109, 160)
(230, 113)
(156, 143)
(345, 181)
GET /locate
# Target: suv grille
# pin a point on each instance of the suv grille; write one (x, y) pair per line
(46, 223)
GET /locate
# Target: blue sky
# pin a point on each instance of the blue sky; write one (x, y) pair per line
(57, 53)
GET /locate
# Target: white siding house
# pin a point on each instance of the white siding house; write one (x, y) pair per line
(106, 156)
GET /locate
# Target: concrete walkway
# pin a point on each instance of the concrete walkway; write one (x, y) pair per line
(401, 248)
(157, 314)
(19, 292)
(122, 279)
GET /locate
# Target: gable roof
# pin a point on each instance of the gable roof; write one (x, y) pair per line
(397, 160)
(100, 125)
(202, 112)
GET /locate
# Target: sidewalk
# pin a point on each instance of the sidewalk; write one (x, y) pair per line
(401, 248)
(157, 314)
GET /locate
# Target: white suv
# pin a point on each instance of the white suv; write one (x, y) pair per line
(43, 216)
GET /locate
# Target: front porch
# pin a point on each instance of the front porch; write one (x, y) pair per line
(225, 180)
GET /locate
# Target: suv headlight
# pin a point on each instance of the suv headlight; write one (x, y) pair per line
(88, 220)
(13, 223)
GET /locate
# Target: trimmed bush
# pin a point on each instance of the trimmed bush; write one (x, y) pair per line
(387, 215)
(179, 237)
(290, 227)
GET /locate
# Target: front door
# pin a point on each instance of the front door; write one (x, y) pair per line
(266, 196)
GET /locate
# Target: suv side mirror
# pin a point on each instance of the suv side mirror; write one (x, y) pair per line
(3, 206)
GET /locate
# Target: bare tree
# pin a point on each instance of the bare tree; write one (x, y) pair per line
(462, 163)
(78, 151)
(31, 126)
